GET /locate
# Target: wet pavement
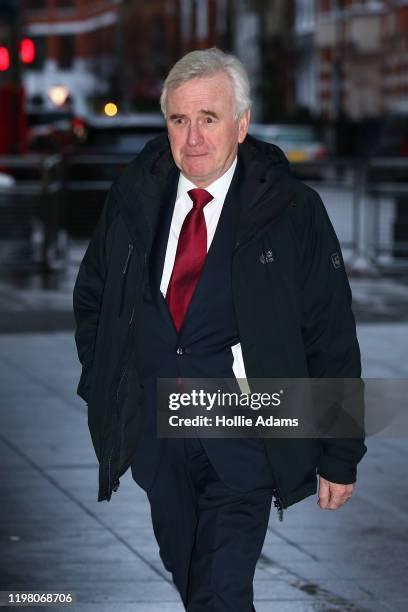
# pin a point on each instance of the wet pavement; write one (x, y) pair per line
(55, 536)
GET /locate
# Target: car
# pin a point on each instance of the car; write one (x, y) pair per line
(54, 131)
(110, 145)
(122, 134)
(299, 142)
(6, 181)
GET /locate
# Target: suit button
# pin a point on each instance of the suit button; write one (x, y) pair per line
(180, 351)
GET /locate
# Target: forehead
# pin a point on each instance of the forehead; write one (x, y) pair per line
(208, 92)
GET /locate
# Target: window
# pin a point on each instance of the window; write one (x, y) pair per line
(305, 16)
(65, 5)
(34, 6)
(157, 34)
(66, 51)
(201, 16)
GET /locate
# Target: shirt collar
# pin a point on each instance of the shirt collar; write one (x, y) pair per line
(218, 188)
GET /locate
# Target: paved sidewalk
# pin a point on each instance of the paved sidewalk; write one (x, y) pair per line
(54, 535)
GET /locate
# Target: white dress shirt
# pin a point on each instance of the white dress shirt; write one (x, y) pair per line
(212, 211)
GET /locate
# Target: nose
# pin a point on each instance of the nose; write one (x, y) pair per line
(194, 136)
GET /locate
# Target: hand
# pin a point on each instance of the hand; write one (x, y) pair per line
(332, 495)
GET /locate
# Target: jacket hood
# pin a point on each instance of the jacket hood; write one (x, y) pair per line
(155, 162)
(270, 158)
(265, 180)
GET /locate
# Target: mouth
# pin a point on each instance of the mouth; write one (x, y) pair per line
(196, 154)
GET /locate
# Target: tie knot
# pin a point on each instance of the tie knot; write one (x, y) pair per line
(200, 198)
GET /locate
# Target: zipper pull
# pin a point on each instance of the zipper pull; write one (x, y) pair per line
(132, 314)
(277, 502)
(124, 272)
(125, 267)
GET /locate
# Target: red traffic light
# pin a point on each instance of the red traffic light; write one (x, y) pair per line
(27, 51)
(4, 59)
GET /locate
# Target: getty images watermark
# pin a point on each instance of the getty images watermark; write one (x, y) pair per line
(224, 408)
(210, 401)
(282, 408)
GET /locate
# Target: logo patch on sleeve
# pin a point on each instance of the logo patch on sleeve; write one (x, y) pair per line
(336, 260)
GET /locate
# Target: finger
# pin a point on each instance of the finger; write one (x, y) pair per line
(324, 494)
(336, 502)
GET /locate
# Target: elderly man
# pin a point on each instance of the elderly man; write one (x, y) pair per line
(210, 259)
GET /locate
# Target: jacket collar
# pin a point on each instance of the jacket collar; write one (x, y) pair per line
(267, 187)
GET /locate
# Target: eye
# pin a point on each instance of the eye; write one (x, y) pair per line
(178, 121)
(209, 120)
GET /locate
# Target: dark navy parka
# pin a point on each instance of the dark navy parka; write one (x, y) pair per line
(294, 314)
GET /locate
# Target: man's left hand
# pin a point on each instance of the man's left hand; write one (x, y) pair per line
(332, 495)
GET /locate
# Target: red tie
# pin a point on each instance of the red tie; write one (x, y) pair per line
(190, 257)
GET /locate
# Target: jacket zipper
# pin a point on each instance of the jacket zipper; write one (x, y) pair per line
(116, 482)
(131, 315)
(109, 472)
(277, 502)
(130, 250)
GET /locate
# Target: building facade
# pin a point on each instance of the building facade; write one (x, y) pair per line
(116, 48)
(76, 48)
(351, 57)
(158, 32)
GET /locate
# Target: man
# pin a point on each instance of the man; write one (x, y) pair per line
(211, 259)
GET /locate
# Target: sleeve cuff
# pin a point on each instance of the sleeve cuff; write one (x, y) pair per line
(336, 470)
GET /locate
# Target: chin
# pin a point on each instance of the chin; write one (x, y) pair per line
(197, 170)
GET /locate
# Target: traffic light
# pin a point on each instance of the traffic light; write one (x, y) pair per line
(27, 51)
(4, 59)
(27, 54)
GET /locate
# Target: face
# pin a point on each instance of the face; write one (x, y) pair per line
(203, 133)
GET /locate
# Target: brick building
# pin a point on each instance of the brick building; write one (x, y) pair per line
(159, 32)
(75, 44)
(117, 48)
(351, 57)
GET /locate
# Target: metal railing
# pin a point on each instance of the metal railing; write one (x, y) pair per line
(375, 206)
(31, 213)
(367, 201)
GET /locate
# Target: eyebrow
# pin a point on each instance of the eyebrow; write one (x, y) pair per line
(203, 111)
(210, 113)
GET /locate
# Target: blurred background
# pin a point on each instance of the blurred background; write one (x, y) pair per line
(79, 88)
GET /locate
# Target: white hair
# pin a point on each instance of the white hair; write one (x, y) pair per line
(208, 62)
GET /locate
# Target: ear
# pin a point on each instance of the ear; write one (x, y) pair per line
(244, 125)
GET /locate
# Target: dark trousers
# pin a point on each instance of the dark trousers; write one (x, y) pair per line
(210, 536)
